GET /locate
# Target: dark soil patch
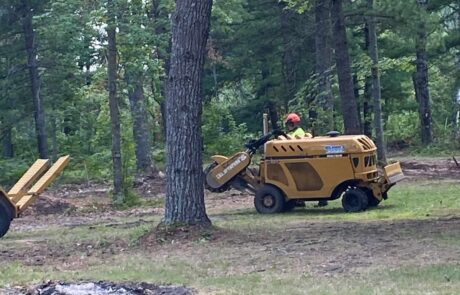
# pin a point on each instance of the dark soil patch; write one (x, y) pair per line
(45, 205)
(420, 169)
(40, 252)
(103, 288)
(182, 234)
(149, 187)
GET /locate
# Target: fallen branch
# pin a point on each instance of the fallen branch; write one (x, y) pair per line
(455, 160)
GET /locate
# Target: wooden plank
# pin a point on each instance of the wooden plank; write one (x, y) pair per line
(32, 174)
(49, 176)
(25, 202)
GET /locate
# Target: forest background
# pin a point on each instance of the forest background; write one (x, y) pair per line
(263, 56)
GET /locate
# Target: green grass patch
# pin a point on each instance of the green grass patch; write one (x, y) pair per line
(406, 201)
(433, 279)
(248, 262)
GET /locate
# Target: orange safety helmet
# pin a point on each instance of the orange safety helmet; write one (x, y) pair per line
(292, 117)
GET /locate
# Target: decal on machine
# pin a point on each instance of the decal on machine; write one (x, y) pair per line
(232, 165)
(334, 149)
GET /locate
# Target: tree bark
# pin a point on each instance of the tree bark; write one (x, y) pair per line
(358, 106)
(184, 143)
(141, 132)
(421, 83)
(53, 135)
(112, 65)
(367, 107)
(376, 91)
(273, 114)
(289, 64)
(163, 53)
(30, 37)
(7, 142)
(323, 53)
(349, 105)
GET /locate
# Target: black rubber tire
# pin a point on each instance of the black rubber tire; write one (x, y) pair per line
(221, 189)
(290, 205)
(354, 200)
(269, 200)
(372, 201)
(5, 220)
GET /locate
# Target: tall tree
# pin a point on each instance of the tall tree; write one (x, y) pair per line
(346, 87)
(31, 41)
(141, 132)
(421, 79)
(184, 143)
(376, 93)
(135, 59)
(112, 65)
(323, 65)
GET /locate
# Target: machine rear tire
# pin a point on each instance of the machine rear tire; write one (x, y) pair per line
(354, 200)
(5, 220)
(269, 200)
(221, 189)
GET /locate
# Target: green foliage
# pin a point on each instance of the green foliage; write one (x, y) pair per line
(260, 53)
(222, 135)
(11, 171)
(131, 199)
(404, 126)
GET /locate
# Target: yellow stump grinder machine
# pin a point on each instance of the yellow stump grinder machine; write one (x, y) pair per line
(34, 182)
(296, 169)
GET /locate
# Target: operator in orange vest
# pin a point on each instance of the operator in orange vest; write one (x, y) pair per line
(293, 125)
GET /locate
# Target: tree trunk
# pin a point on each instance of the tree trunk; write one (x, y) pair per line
(141, 132)
(323, 54)
(367, 107)
(358, 106)
(457, 92)
(184, 143)
(7, 142)
(421, 84)
(349, 105)
(54, 141)
(118, 191)
(273, 114)
(376, 91)
(289, 64)
(32, 63)
(163, 54)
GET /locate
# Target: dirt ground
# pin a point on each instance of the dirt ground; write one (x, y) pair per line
(310, 246)
(417, 169)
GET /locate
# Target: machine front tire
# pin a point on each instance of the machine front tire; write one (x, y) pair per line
(5, 220)
(354, 200)
(269, 200)
(372, 201)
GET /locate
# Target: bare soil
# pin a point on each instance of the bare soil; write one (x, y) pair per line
(314, 247)
(431, 168)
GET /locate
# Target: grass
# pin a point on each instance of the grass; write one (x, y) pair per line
(438, 279)
(258, 261)
(406, 201)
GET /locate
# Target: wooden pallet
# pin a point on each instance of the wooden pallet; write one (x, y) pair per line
(25, 183)
(34, 182)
